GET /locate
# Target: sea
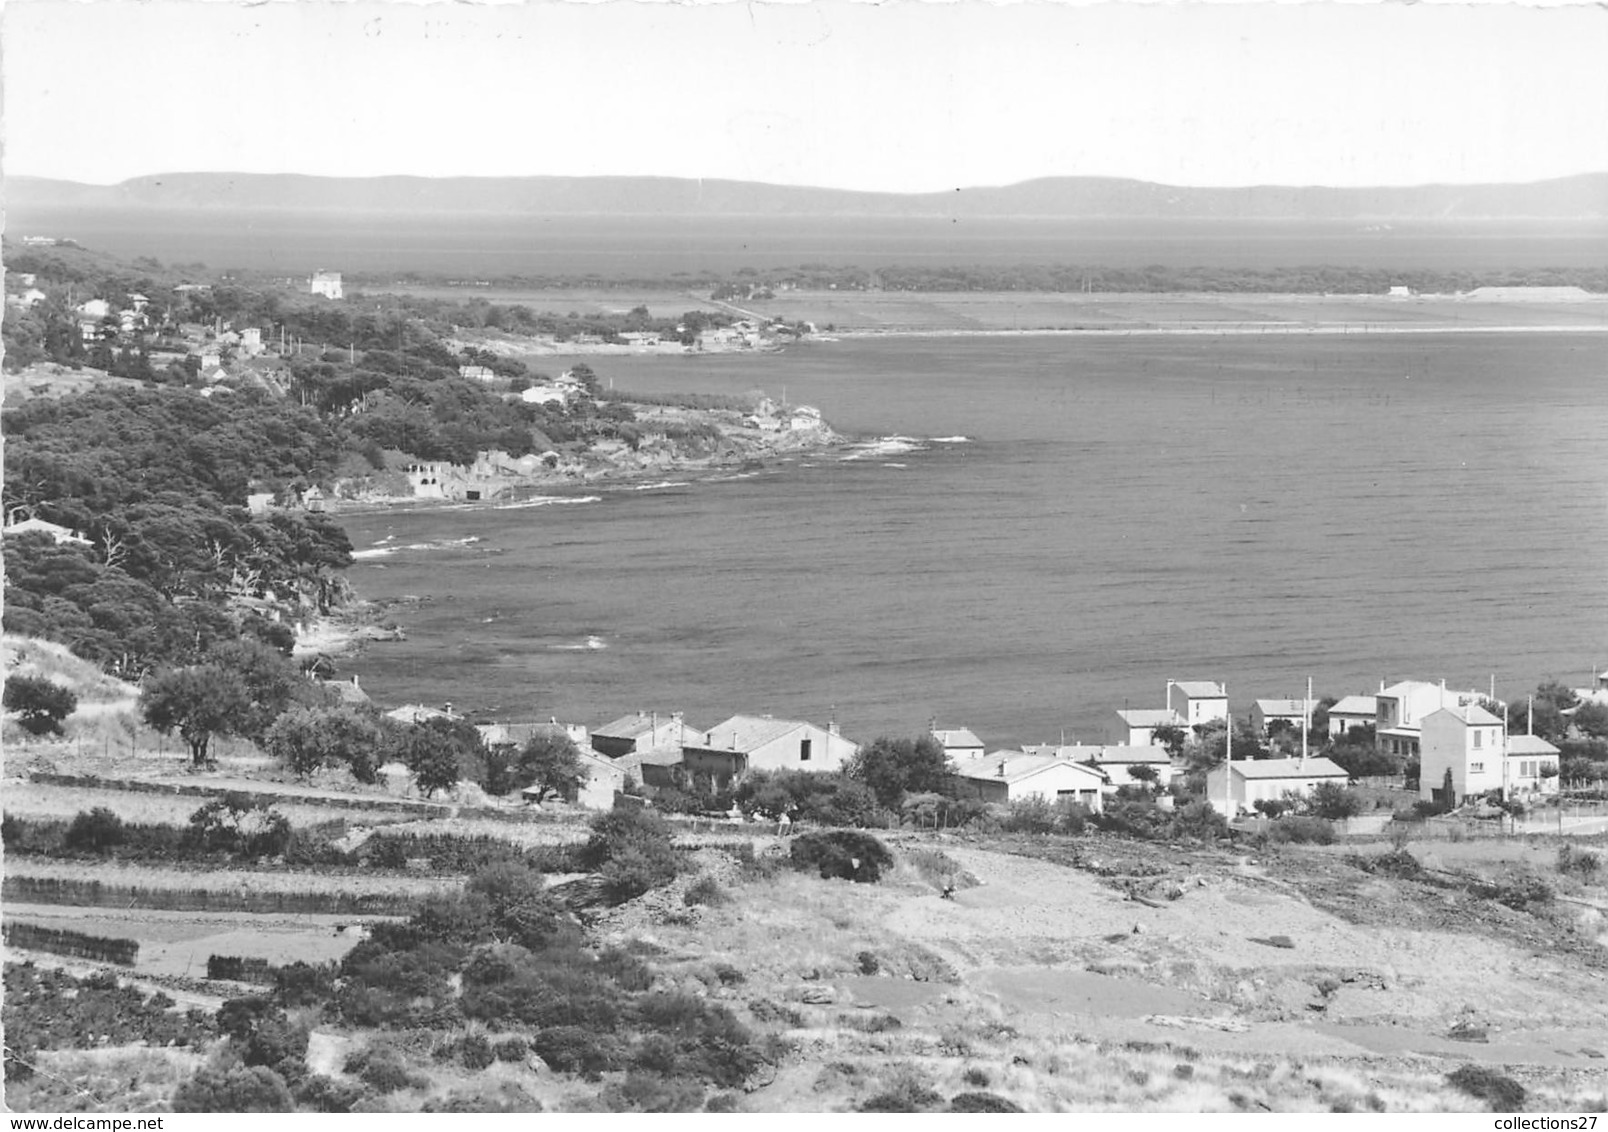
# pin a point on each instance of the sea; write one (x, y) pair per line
(1027, 533)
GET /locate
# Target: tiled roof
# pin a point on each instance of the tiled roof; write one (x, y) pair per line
(1018, 765)
(1288, 768)
(744, 733)
(1471, 714)
(1356, 705)
(1104, 755)
(1530, 745)
(1282, 707)
(631, 726)
(957, 737)
(1151, 717)
(1199, 689)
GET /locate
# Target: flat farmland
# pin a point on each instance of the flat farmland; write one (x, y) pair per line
(43, 801)
(178, 944)
(227, 881)
(661, 303)
(911, 312)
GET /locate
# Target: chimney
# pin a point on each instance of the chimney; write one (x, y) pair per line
(832, 727)
(354, 680)
(1001, 770)
(447, 707)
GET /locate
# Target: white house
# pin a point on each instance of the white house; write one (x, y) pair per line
(1462, 748)
(58, 533)
(1402, 707)
(1528, 756)
(325, 283)
(251, 341)
(1265, 713)
(1116, 762)
(1197, 702)
(1013, 776)
(1598, 692)
(420, 713)
(601, 780)
(729, 750)
(95, 308)
(958, 742)
(1353, 711)
(543, 395)
(1250, 781)
(1136, 727)
(477, 373)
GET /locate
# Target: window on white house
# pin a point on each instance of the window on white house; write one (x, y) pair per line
(1475, 768)
(1478, 736)
(804, 750)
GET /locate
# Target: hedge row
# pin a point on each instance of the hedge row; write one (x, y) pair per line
(271, 797)
(241, 969)
(58, 941)
(94, 894)
(178, 845)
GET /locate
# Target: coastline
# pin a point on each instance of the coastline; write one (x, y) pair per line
(1210, 330)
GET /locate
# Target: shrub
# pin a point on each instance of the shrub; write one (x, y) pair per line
(981, 1102)
(575, 1049)
(841, 853)
(977, 1078)
(705, 890)
(907, 1096)
(382, 1069)
(631, 850)
(512, 1049)
(98, 831)
(475, 1052)
(1271, 807)
(325, 1094)
(40, 704)
(234, 1088)
(1199, 820)
(650, 1092)
(1582, 863)
(1501, 1092)
(1302, 831)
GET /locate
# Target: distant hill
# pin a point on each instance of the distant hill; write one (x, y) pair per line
(1583, 197)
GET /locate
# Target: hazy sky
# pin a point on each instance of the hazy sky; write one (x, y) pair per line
(897, 96)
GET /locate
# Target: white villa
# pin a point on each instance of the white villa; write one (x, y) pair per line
(1250, 781)
(1197, 701)
(1012, 776)
(1136, 727)
(1402, 708)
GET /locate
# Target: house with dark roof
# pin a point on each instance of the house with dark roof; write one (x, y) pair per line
(743, 743)
(641, 731)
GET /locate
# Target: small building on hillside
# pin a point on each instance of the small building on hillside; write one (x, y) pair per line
(1197, 702)
(1014, 776)
(518, 734)
(349, 692)
(1352, 711)
(959, 743)
(325, 283)
(642, 731)
(601, 782)
(653, 768)
(1461, 753)
(1116, 761)
(477, 373)
(58, 533)
(1265, 713)
(1136, 727)
(421, 713)
(743, 743)
(1250, 781)
(1532, 765)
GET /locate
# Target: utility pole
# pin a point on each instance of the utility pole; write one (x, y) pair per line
(1306, 721)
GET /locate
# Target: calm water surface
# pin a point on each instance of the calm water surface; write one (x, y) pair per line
(1122, 511)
